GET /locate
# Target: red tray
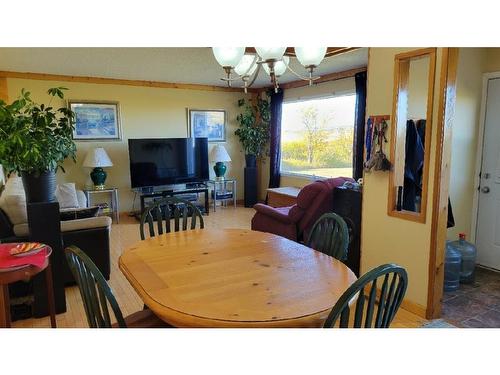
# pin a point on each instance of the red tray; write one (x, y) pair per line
(11, 263)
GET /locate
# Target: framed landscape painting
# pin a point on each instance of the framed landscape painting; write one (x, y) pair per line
(207, 123)
(96, 120)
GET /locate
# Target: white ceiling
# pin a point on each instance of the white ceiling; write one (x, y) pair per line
(178, 65)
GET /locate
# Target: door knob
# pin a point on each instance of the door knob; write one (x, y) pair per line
(485, 189)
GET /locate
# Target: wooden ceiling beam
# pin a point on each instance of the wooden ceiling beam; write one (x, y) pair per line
(116, 81)
(330, 51)
(324, 78)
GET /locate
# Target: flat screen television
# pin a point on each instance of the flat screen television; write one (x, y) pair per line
(167, 161)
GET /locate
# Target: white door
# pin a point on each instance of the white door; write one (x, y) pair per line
(488, 220)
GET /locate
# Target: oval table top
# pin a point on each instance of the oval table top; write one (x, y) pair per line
(234, 278)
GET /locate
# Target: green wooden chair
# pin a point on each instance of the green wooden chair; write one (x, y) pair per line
(96, 295)
(166, 210)
(330, 235)
(368, 312)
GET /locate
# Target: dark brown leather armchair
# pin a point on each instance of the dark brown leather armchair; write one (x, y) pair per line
(294, 222)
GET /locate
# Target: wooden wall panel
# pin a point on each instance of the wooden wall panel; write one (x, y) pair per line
(446, 114)
(4, 95)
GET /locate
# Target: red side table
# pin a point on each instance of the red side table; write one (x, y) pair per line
(25, 272)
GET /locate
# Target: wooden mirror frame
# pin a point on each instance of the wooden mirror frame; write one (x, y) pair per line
(401, 79)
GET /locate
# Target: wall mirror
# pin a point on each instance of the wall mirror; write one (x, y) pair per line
(411, 130)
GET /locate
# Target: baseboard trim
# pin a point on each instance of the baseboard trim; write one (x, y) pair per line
(414, 308)
(406, 304)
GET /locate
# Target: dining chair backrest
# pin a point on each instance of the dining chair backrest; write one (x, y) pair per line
(95, 291)
(330, 236)
(368, 311)
(166, 210)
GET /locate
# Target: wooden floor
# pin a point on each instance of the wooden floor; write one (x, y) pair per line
(124, 235)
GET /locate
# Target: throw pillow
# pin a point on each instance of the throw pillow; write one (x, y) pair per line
(14, 207)
(80, 213)
(13, 200)
(66, 195)
(14, 186)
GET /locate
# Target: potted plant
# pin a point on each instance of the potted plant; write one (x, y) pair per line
(34, 141)
(254, 128)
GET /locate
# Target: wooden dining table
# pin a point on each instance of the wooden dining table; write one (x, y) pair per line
(234, 278)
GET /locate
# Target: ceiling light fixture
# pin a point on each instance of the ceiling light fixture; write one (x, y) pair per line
(272, 59)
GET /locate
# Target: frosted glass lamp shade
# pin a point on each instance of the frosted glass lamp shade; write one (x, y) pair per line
(228, 56)
(279, 66)
(219, 154)
(310, 56)
(97, 158)
(243, 67)
(270, 53)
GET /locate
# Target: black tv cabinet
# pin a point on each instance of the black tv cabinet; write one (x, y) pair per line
(170, 192)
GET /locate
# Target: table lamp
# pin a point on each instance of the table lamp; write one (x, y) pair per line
(219, 155)
(97, 158)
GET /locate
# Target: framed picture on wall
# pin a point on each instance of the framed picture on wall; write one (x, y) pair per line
(96, 120)
(209, 123)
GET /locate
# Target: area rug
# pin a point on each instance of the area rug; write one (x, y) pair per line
(438, 323)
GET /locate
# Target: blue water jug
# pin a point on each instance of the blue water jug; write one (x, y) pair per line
(452, 266)
(468, 252)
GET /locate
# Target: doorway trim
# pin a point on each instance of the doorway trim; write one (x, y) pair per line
(446, 114)
(479, 152)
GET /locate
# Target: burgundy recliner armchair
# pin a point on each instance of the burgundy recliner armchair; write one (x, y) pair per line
(294, 222)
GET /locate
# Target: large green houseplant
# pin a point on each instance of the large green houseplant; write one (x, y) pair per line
(253, 131)
(35, 139)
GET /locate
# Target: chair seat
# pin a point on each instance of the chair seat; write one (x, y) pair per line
(144, 319)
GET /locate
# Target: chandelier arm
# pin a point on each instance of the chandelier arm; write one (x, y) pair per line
(299, 75)
(240, 77)
(255, 59)
(256, 73)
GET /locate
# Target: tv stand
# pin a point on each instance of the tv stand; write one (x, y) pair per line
(170, 191)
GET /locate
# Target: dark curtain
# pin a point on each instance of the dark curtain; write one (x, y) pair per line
(275, 142)
(359, 125)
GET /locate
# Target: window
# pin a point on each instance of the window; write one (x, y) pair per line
(317, 136)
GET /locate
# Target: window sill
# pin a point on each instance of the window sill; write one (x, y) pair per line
(308, 177)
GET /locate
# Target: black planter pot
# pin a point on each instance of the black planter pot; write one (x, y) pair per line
(39, 187)
(251, 161)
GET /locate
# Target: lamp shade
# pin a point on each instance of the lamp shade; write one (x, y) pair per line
(279, 66)
(219, 153)
(228, 56)
(97, 157)
(270, 53)
(310, 56)
(245, 66)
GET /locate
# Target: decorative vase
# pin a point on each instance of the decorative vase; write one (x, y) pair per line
(251, 161)
(98, 176)
(39, 187)
(220, 170)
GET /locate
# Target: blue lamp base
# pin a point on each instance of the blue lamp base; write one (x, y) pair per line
(220, 170)
(98, 176)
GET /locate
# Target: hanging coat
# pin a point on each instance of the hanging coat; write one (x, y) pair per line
(414, 162)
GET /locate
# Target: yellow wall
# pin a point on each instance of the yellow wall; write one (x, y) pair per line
(338, 87)
(465, 137)
(492, 60)
(145, 112)
(386, 239)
